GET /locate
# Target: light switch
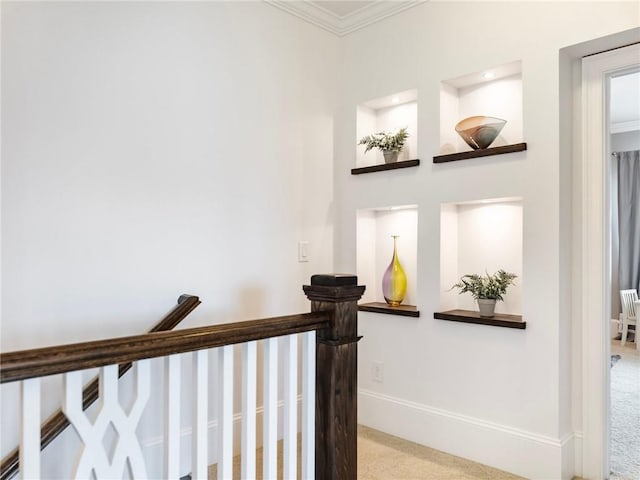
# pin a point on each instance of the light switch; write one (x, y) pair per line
(303, 251)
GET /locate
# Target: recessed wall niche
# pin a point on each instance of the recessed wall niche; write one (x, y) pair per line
(388, 113)
(375, 228)
(494, 92)
(477, 237)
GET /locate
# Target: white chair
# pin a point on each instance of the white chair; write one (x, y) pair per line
(630, 307)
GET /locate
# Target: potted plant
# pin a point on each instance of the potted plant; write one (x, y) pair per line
(389, 143)
(486, 289)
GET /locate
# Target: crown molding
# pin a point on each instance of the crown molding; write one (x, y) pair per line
(343, 25)
(622, 127)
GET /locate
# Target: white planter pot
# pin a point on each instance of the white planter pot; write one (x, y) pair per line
(486, 306)
(390, 157)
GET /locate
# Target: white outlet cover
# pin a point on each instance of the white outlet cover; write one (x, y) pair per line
(303, 251)
(377, 372)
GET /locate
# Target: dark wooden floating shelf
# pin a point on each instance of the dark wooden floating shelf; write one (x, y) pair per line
(468, 316)
(379, 307)
(386, 166)
(485, 152)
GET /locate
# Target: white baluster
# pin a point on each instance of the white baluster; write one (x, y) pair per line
(172, 417)
(127, 428)
(225, 413)
(290, 424)
(270, 404)
(93, 460)
(249, 380)
(88, 433)
(30, 429)
(200, 417)
(308, 404)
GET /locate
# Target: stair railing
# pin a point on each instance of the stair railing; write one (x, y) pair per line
(58, 422)
(328, 417)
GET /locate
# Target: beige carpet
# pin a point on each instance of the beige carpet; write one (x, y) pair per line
(625, 413)
(383, 457)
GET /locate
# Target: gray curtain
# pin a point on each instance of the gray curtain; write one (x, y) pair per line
(629, 219)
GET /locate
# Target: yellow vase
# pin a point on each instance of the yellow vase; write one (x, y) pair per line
(394, 281)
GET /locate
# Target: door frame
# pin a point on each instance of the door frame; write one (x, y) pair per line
(595, 291)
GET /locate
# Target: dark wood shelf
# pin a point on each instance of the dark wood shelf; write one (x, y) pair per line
(379, 307)
(468, 316)
(485, 152)
(386, 166)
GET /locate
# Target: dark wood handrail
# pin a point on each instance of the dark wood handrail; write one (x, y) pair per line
(57, 422)
(41, 362)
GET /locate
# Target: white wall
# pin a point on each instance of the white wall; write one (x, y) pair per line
(154, 149)
(504, 391)
(626, 141)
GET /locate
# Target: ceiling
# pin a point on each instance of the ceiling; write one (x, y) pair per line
(343, 17)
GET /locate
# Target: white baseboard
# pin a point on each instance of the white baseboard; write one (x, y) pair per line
(152, 448)
(577, 452)
(517, 451)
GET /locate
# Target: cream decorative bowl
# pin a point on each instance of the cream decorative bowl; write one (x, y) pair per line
(480, 131)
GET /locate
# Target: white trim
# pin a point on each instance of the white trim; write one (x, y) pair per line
(521, 452)
(595, 297)
(622, 127)
(555, 442)
(342, 25)
(577, 452)
(569, 445)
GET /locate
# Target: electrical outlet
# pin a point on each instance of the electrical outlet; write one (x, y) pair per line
(377, 372)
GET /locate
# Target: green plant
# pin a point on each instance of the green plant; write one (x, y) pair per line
(387, 142)
(486, 286)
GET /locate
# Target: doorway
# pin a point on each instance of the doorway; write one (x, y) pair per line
(594, 219)
(623, 107)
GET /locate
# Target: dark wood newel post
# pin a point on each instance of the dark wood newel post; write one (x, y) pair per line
(336, 375)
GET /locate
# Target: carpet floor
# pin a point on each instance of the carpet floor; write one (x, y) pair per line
(384, 457)
(625, 413)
